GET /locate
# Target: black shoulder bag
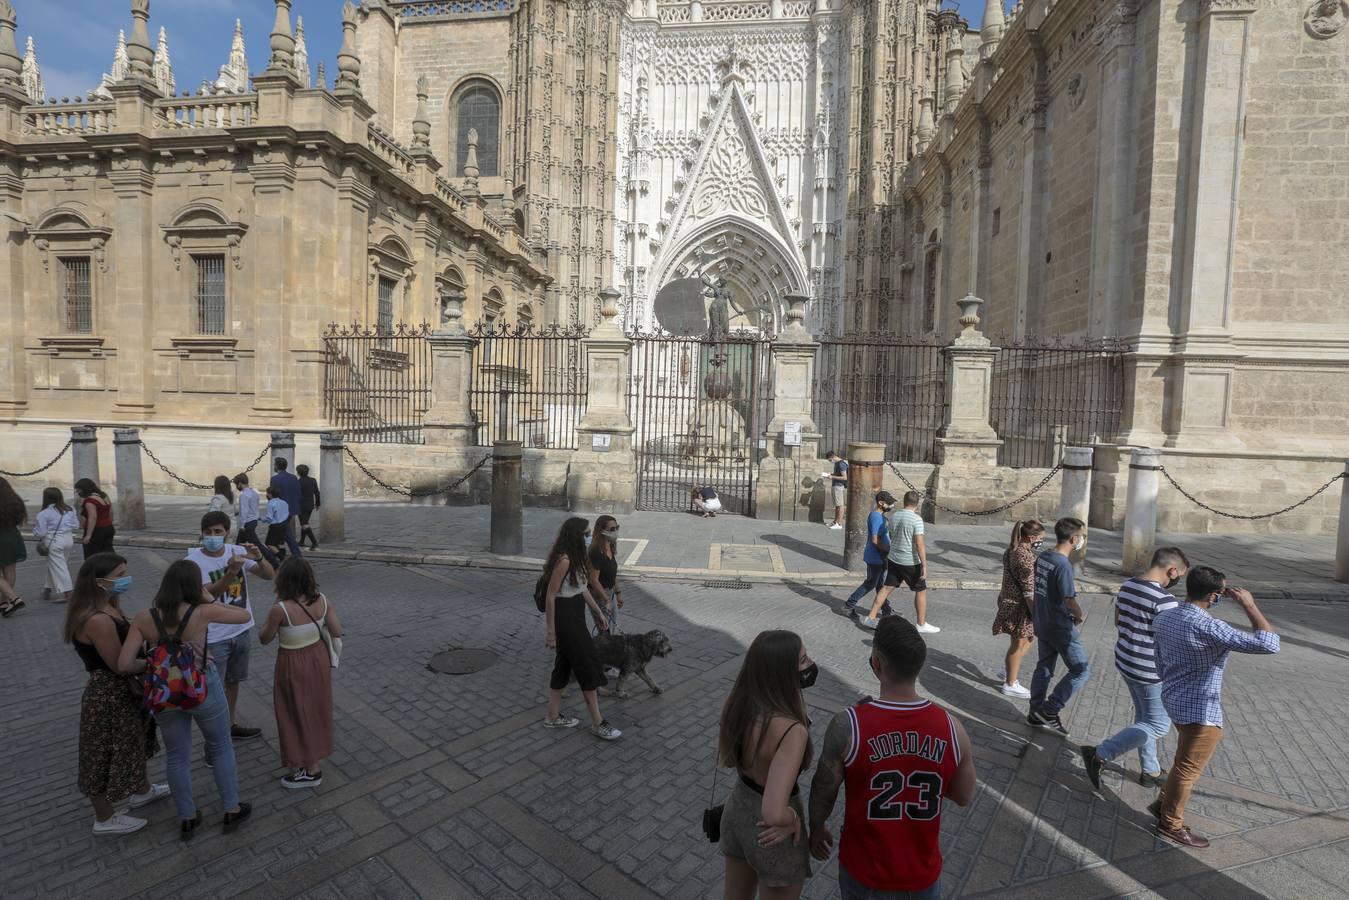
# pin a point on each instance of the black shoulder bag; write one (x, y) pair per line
(712, 815)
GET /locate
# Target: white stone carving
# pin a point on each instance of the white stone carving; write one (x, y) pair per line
(1326, 18)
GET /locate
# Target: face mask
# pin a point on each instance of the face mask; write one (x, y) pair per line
(587, 540)
(1037, 543)
(612, 535)
(1172, 582)
(1080, 544)
(119, 585)
(808, 675)
(213, 542)
(1216, 598)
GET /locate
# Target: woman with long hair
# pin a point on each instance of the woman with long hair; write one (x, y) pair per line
(568, 595)
(223, 501)
(116, 735)
(12, 551)
(95, 518)
(302, 689)
(1015, 599)
(55, 530)
(765, 737)
(603, 561)
(183, 609)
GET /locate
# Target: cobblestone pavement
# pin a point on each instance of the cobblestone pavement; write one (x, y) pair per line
(446, 786)
(685, 545)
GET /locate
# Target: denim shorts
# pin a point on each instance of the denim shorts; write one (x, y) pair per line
(854, 890)
(231, 657)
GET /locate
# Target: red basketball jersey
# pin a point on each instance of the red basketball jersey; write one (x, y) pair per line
(901, 762)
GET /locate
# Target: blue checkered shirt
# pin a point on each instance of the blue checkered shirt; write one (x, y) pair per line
(1192, 648)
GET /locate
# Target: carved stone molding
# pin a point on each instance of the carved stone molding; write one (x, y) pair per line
(1208, 7)
(1326, 18)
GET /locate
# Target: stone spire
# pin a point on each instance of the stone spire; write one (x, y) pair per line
(138, 50)
(992, 28)
(283, 43)
(323, 76)
(233, 77)
(955, 74)
(421, 125)
(301, 55)
(163, 67)
(121, 67)
(927, 127)
(32, 75)
(348, 63)
(11, 66)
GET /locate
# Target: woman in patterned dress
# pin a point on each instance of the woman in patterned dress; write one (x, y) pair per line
(1018, 592)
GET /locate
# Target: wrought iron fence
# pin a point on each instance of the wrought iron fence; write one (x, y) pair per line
(528, 384)
(1049, 393)
(885, 388)
(699, 407)
(377, 382)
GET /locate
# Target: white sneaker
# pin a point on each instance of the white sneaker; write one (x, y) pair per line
(605, 732)
(1016, 690)
(156, 792)
(868, 622)
(561, 722)
(119, 823)
(836, 527)
(927, 628)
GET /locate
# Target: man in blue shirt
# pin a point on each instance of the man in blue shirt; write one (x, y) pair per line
(1057, 615)
(878, 545)
(1192, 648)
(287, 486)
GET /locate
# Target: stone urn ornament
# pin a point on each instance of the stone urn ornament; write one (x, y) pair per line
(969, 311)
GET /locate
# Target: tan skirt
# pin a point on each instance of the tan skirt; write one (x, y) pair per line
(302, 695)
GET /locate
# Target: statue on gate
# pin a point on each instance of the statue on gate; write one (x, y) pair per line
(719, 309)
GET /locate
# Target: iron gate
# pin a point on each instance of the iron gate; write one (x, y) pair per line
(377, 382)
(700, 408)
(528, 384)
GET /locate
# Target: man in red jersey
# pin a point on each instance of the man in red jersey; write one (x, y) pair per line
(898, 756)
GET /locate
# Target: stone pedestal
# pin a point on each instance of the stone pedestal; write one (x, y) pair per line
(1140, 513)
(333, 512)
(126, 454)
(84, 453)
(449, 422)
(866, 466)
(507, 538)
(779, 491)
(602, 477)
(969, 445)
(1075, 494)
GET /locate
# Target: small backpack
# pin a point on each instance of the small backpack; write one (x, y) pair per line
(173, 677)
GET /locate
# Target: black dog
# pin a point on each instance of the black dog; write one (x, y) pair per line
(629, 654)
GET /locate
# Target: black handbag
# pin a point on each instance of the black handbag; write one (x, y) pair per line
(712, 815)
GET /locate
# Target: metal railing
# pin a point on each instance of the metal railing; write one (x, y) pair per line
(1048, 393)
(885, 388)
(377, 382)
(528, 384)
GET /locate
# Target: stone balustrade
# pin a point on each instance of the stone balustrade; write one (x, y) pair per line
(681, 11)
(207, 111)
(64, 117)
(447, 192)
(391, 151)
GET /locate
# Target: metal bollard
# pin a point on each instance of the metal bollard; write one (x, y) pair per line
(84, 452)
(1075, 494)
(126, 456)
(866, 463)
(1342, 538)
(333, 513)
(1140, 514)
(507, 506)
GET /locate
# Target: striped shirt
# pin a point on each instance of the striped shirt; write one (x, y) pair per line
(1136, 605)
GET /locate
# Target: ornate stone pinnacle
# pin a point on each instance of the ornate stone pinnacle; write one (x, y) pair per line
(11, 65)
(138, 49)
(969, 311)
(283, 43)
(421, 124)
(348, 63)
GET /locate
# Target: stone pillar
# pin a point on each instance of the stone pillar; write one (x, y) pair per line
(1075, 494)
(507, 499)
(84, 452)
(866, 467)
(1140, 515)
(283, 446)
(449, 421)
(1342, 536)
(777, 490)
(333, 512)
(969, 443)
(14, 378)
(603, 473)
(126, 455)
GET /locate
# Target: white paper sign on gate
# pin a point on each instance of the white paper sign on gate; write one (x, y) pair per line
(791, 434)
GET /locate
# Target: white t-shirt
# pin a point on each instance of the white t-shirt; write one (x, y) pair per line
(212, 569)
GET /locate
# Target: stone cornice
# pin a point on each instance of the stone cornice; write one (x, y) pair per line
(1232, 7)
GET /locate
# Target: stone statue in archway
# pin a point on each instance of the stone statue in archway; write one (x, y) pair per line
(719, 309)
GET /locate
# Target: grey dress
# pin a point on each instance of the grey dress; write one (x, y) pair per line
(781, 866)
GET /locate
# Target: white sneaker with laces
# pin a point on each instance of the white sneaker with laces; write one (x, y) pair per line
(156, 792)
(561, 722)
(605, 732)
(836, 527)
(119, 823)
(1016, 690)
(868, 622)
(927, 628)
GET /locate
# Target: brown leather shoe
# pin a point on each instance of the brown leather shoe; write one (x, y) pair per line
(1185, 837)
(1155, 807)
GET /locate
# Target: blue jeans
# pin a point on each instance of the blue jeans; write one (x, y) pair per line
(874, 582)
(213, 718)
(1151, 724)
(854, 890)
(1053, 646)
(292, 525)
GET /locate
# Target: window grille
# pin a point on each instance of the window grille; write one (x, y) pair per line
(76, 295)
(210, 294)
(384, 322)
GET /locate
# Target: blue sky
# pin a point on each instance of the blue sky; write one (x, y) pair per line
(73, 57)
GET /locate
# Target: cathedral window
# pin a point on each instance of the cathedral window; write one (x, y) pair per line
(477, 108)
(77, 299)
(384, 320)
(210, 292)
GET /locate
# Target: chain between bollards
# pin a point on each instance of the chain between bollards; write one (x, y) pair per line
(406, 492)
(981, 512)
(55, 459)
(1249, 518)
(192, 484)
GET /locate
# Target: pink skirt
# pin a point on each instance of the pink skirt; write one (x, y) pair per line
(302, 695)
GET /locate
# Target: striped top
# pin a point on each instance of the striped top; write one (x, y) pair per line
(1136, 605)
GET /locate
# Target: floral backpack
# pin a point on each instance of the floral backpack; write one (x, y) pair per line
(174, 679)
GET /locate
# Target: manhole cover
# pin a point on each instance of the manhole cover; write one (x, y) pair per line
(462, 662)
